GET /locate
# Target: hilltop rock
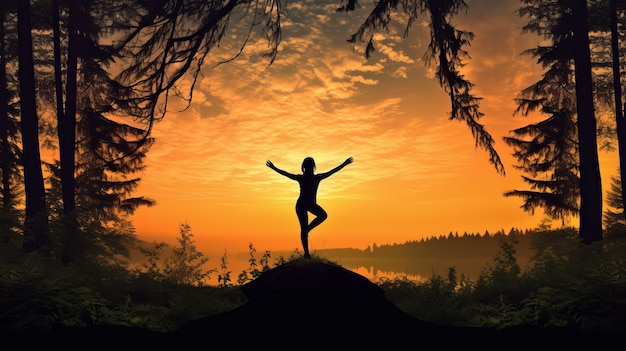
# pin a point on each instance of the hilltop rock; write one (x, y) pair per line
(314, 303)
(311, 280)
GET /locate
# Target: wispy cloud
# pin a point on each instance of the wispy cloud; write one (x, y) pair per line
(306, 103)
(320, 98)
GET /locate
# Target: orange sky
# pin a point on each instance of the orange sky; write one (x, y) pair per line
(415, 173)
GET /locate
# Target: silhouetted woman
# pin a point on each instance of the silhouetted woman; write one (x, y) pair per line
(307, 201)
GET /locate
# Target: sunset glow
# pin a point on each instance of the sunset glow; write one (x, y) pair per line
(415, 173)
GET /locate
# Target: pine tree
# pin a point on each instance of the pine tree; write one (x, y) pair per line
(10, 150)
(36, 234)
(614, 215)
(560, 153)
(100, 157)
(446, 50)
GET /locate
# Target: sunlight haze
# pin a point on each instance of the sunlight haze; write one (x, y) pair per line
(415, 174)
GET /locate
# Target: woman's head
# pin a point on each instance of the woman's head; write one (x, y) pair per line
(308, 165)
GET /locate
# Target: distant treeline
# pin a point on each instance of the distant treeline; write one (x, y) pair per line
(453, 245)
(467, 252)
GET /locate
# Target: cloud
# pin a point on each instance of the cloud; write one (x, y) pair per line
(281, 112)
(320, 98)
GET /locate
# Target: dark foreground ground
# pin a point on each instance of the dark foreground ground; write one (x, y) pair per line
(312, 305)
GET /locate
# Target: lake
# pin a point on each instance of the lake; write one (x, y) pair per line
(374, 269)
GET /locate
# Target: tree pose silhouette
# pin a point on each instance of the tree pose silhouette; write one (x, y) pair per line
(307, 201)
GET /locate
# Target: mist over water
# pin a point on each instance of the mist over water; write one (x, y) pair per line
(374, 269)
(376, 275)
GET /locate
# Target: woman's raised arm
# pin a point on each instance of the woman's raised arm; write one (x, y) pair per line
(348, 161)
(280, 171)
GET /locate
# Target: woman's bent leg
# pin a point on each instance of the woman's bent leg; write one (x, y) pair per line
(320, 216)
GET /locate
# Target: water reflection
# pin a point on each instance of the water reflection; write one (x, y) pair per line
(417, 270)
(377, 275)
(413, 269)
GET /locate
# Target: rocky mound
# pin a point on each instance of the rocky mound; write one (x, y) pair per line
(312, 303)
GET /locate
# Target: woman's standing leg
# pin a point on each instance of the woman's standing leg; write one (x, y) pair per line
(303, 219)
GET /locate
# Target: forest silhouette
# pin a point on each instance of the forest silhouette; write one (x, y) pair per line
(66, 233)
(566, 296)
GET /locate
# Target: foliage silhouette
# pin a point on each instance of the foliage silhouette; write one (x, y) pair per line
(567, 286)
(253, 272)
(614, 214)
(185, 265)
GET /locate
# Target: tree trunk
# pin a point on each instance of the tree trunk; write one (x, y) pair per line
(619, 112)
(590, 180)
(5, 149)
(66, 117)
(36, 236)
(67, 140)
